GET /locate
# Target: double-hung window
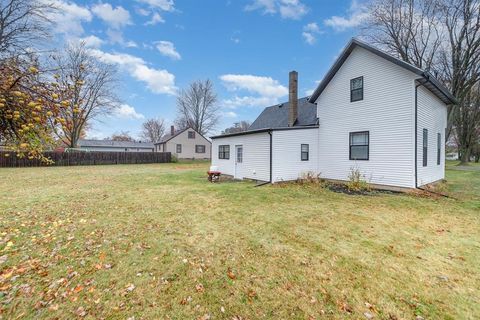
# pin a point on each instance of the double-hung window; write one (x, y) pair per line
(439, 147)
(199, 148)
(224, 152)
(191, 134)
(425, 147)
(179, 148)
(356, 89)
(359, 145)
(304, 152)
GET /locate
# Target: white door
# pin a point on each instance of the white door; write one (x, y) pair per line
(239, 162)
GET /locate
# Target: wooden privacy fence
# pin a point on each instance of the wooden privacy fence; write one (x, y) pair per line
(86, 158)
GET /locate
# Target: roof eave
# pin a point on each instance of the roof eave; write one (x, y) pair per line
(450, 99)
(264, 130)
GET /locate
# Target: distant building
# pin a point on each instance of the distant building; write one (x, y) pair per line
(185, 144)
(115, 146)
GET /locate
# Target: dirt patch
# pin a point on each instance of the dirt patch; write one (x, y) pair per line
(342, 188)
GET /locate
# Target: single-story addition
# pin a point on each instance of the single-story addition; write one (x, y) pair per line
(115, 146)
(371, 112)
(185, 144)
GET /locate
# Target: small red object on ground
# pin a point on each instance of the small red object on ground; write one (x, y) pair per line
(213, 176)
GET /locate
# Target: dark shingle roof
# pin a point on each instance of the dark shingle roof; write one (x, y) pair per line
(277, 116)
(429, 81)
(114, 144)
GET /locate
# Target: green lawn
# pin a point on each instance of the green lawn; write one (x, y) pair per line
(159, 242)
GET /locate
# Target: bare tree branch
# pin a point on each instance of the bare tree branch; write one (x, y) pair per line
(197, 107)
(89, 90)
(153, 130)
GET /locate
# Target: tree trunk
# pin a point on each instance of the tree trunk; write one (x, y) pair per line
(464, 156)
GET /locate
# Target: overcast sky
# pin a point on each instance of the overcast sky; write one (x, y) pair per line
(246, 47)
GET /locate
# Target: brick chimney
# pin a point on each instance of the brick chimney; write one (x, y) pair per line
(172, 130)
(292, 97)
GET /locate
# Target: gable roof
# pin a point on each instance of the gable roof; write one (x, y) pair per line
(428, 80)
(114, 144)
(277, 116)
(169, 136)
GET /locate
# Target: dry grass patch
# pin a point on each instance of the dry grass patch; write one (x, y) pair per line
(159, 241)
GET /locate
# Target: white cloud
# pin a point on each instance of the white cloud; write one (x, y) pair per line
(164, 5)
(156, 18)
(264, 86)
(167, 49)
(229, 114)
(356, 15)
(157, 80)
(266, 90)
(310, 31)
(69, 17)
(115, 17)
(288, 9)
(92, 41)
(127, 112)
(116, 36)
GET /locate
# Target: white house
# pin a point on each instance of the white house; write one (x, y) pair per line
(185, 144)
(371, 112)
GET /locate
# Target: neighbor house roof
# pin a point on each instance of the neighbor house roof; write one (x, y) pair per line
(169, 136)
(277, 116)
(428, 80)
(114, 144)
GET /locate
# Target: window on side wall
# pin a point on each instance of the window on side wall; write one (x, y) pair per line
(191, 134)
(224, 152)
(356, 89)
(179, 148)
(199, 148)
(304, 152)
(359, 145)
(425, 147)
(439, 147)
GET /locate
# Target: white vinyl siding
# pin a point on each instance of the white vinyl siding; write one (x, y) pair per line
(386, 111)
(189, 150)
(287, 161)
(432, 115)
(255, 155)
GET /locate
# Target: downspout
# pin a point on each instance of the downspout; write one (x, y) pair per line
(271, 160)
(416, 126)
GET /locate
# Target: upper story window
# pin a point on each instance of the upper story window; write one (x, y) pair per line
(359, 145)
(356, 89)
(199, 148)
(179, 148)
(191, 134)
(224, 152)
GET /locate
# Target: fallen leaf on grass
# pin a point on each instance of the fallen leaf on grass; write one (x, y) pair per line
(81, 312)
(200, 288)
(230, 274)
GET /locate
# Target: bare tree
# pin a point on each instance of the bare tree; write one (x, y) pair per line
(89, 90)
(460, 65)
(408, 29)
(153, 130)
(237, 127)
(442, 36)
(23, 23)
(197, 107)
(121, 136)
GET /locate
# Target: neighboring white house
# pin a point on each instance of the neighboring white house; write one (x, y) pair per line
(371, 112)
(115, 146)
(185, 144)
